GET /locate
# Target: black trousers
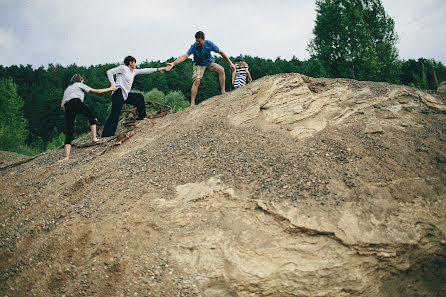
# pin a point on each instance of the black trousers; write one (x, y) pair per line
(72, 108)
(135, 99)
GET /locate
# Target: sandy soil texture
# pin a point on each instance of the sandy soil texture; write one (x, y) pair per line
(289, 186)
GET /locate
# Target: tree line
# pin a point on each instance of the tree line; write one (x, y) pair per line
(352, 39)
(31, 120)
(357, 39)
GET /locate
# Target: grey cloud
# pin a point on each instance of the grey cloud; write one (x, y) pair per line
(95, 32)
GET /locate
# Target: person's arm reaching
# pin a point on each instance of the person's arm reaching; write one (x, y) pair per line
(145, 71)
(177, 61)
(87, 89)
(148, 70)
(99, 91)
(227, 59)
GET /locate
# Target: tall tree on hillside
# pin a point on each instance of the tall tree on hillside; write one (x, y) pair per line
(12, 123)
(355, 39)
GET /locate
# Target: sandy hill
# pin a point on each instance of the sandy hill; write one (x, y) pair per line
(290, 186)
(8, 158)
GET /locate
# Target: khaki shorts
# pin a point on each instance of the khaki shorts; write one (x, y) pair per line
(199, 70)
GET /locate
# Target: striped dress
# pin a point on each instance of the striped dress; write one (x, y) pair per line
(240, 76)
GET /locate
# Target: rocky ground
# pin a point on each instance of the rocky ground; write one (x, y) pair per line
(290, 186)
(8, 158)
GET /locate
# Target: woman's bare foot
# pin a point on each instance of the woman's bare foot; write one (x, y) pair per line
(64, 159)
(95, 139)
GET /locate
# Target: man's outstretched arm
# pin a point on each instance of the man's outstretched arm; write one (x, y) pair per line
(177, 61)
(227, 59)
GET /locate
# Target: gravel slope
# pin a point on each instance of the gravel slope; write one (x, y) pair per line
(290, 186)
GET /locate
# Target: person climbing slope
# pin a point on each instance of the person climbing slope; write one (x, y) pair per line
(125, 74)
(73, 103)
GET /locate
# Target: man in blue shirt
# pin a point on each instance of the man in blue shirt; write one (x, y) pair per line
(201, 50)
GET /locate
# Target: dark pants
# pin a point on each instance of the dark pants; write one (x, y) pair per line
(72, 108)
(135, 99)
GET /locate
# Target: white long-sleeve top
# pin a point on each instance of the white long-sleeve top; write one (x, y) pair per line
(125, 77)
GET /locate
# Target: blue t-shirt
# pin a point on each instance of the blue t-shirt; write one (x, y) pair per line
(202, 54)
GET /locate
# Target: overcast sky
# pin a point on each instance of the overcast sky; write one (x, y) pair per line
(90, 32)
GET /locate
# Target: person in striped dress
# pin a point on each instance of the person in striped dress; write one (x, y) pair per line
(240, 73)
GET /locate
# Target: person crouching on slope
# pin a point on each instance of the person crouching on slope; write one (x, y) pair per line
(240, 73)
(125, 75)
(73, 103)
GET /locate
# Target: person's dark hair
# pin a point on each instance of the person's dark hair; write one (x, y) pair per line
(129, 59)
(76, 78)
(199, 34)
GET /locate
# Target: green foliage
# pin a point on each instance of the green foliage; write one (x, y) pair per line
(416, 73)
(56, 141)
(313, 67)
(12, 123)
(154, 95)
(38, 145)
(355, 39)
(174, 99)
(42, 89)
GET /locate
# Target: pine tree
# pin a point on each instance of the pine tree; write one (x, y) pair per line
(355, 39)
(12, 123)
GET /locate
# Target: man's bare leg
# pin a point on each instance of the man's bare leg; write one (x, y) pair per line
(194, 90)
(222, 79)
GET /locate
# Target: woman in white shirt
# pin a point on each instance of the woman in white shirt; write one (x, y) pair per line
(73, 104)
